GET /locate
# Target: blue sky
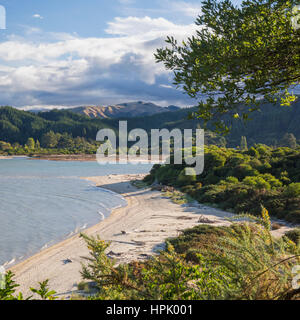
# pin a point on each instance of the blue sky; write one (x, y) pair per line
(90, 52)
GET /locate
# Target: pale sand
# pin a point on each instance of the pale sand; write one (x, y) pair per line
(148, 219)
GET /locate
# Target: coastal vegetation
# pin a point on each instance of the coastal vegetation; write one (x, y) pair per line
(241, 180)
(9, 286)
(242, 261)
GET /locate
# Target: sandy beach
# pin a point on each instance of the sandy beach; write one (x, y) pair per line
(136, 232)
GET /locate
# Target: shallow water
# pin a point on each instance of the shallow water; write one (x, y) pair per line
(43, 202)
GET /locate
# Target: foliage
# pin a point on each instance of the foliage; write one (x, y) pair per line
(244, 145)
(260, 266)
(178, 197)
(237, 56)
(293, 190)
(43, 292)
(294, 235)
(9, 291)
(242, 181)
(184, 179)
(167, 276)
(30, 143)
(241, 261)
(288, 140)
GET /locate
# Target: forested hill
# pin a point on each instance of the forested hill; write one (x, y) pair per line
(268, 126)
(18, 126)
(128, 110)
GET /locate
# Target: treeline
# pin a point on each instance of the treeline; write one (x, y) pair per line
(18, 126)
(276, 126)
(241, 180)
(51, 143)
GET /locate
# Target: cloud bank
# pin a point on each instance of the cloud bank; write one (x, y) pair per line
(63, 69)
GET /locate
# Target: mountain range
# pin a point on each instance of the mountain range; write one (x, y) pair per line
(123, 110)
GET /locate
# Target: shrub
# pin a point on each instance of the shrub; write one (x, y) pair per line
(149, 179)
(233, 180)
(274, 183)
(292, 190)
(9, 291)
(211, 179)
(190, 189)
(214, 160)
(166, 174)
(184, 179)
(252, 152)
(243, 180)
(236, 160)
(263, 150)
(243, 171)
(255, 163)
(201, 238)
(293, 216)
(198, 185)
(284, 177)
(257, 182)
(294, 235)
(265, 167)
(192, 255)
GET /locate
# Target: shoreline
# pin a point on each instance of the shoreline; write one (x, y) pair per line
(148, 219)
(136, 232)
(86, 158)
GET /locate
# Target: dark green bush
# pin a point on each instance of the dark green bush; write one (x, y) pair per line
(292, 190)
(294, 235)
(184, 179)
(293, 216)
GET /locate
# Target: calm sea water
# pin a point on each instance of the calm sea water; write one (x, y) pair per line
(43, 202)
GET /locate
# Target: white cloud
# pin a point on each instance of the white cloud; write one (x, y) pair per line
(37, 16)
(146, 27)
(72, 70)
(189, 9)
(166, 86)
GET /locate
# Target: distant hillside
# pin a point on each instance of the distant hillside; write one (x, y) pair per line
(267, 126)
(124, 110)
(17, 125)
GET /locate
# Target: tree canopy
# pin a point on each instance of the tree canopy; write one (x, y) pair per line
(238, 57)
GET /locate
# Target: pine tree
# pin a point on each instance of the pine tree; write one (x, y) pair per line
(37, 145)
(289, 141)
(244, 145)
(30, 143)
